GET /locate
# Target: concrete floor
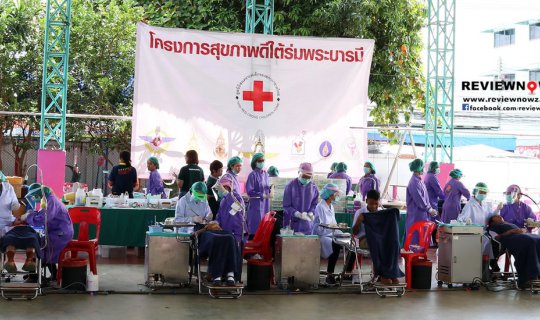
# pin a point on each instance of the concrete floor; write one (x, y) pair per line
(422, 305)
(123, 295)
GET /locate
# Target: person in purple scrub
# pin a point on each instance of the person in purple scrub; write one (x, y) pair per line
(453, 191)
(369, 181)
(300, 198)
(258, 191)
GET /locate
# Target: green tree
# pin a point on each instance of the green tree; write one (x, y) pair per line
(397, 81)
(102, 64)
(21, 48)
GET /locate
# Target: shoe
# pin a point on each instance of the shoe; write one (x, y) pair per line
(230, 281)
(494, 266)
(386, 281)
(10, 267)
(356, 279)
(395, 281)
(348, 277)
(216, 282)
(29, 266)
(330, 279)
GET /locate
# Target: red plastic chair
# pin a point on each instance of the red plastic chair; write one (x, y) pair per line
(423, 229)
(260, 244)
(84, 216)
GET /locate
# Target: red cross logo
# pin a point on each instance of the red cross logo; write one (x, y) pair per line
(258, 96)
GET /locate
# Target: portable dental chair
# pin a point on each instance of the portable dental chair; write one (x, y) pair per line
(224, 256)
(20, 284)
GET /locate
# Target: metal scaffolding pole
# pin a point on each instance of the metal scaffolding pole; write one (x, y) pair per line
(440, 81)
(55, 73)
(260, 16)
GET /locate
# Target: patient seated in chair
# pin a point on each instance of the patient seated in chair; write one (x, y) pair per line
(525, 247)
(21, 236)
(382, 234)
(223, 253)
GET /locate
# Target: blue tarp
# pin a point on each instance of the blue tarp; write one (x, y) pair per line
(507, 143)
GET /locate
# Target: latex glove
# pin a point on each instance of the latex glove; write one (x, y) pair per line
(298, 215)
(266, 196)
(500, 206)
(311, 216)
(24, 216)
(433, 212)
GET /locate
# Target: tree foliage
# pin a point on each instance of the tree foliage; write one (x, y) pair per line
(20, 74)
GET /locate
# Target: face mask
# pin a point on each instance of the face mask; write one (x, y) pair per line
(437, 171)
(509, 199)
(336, 200)
(235, 172)
(198, 197)
(304, 181)
(260, 165)
(367, 170)
(480, 197)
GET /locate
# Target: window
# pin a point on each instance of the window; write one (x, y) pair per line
(508, 77)
(504, 37)
(534, 31)
(534, 75)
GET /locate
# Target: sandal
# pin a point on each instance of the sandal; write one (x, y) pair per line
(10, 267)
(29, 266)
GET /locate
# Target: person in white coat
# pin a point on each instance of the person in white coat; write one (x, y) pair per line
(8, 203)
(193, 207)
(324, 214)
(478, 210)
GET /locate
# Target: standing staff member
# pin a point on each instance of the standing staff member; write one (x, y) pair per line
(300, 198)
(234, 166)
(418, 207)
(369, 181)
(155, 183)
(216, 170)
(258, 190)
(123, 177)
(341, 173)
(190, 173)
(433, 186)
(453, 191)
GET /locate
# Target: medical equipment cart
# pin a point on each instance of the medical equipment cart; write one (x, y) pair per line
(460, 254)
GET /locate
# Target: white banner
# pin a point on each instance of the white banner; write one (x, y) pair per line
(224, 94)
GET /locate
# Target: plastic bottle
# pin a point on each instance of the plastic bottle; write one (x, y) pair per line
(79, 197)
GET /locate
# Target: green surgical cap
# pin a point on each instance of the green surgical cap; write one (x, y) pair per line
(155, 161)
(417, 165)
(456, 173)
(199, 187)
(273, 171)
(481, 186)
(256, 157)
(341, 167)
(333, 166)
(433, 165)
(232, 161)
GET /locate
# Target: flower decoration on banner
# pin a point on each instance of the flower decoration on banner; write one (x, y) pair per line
(299, 145)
